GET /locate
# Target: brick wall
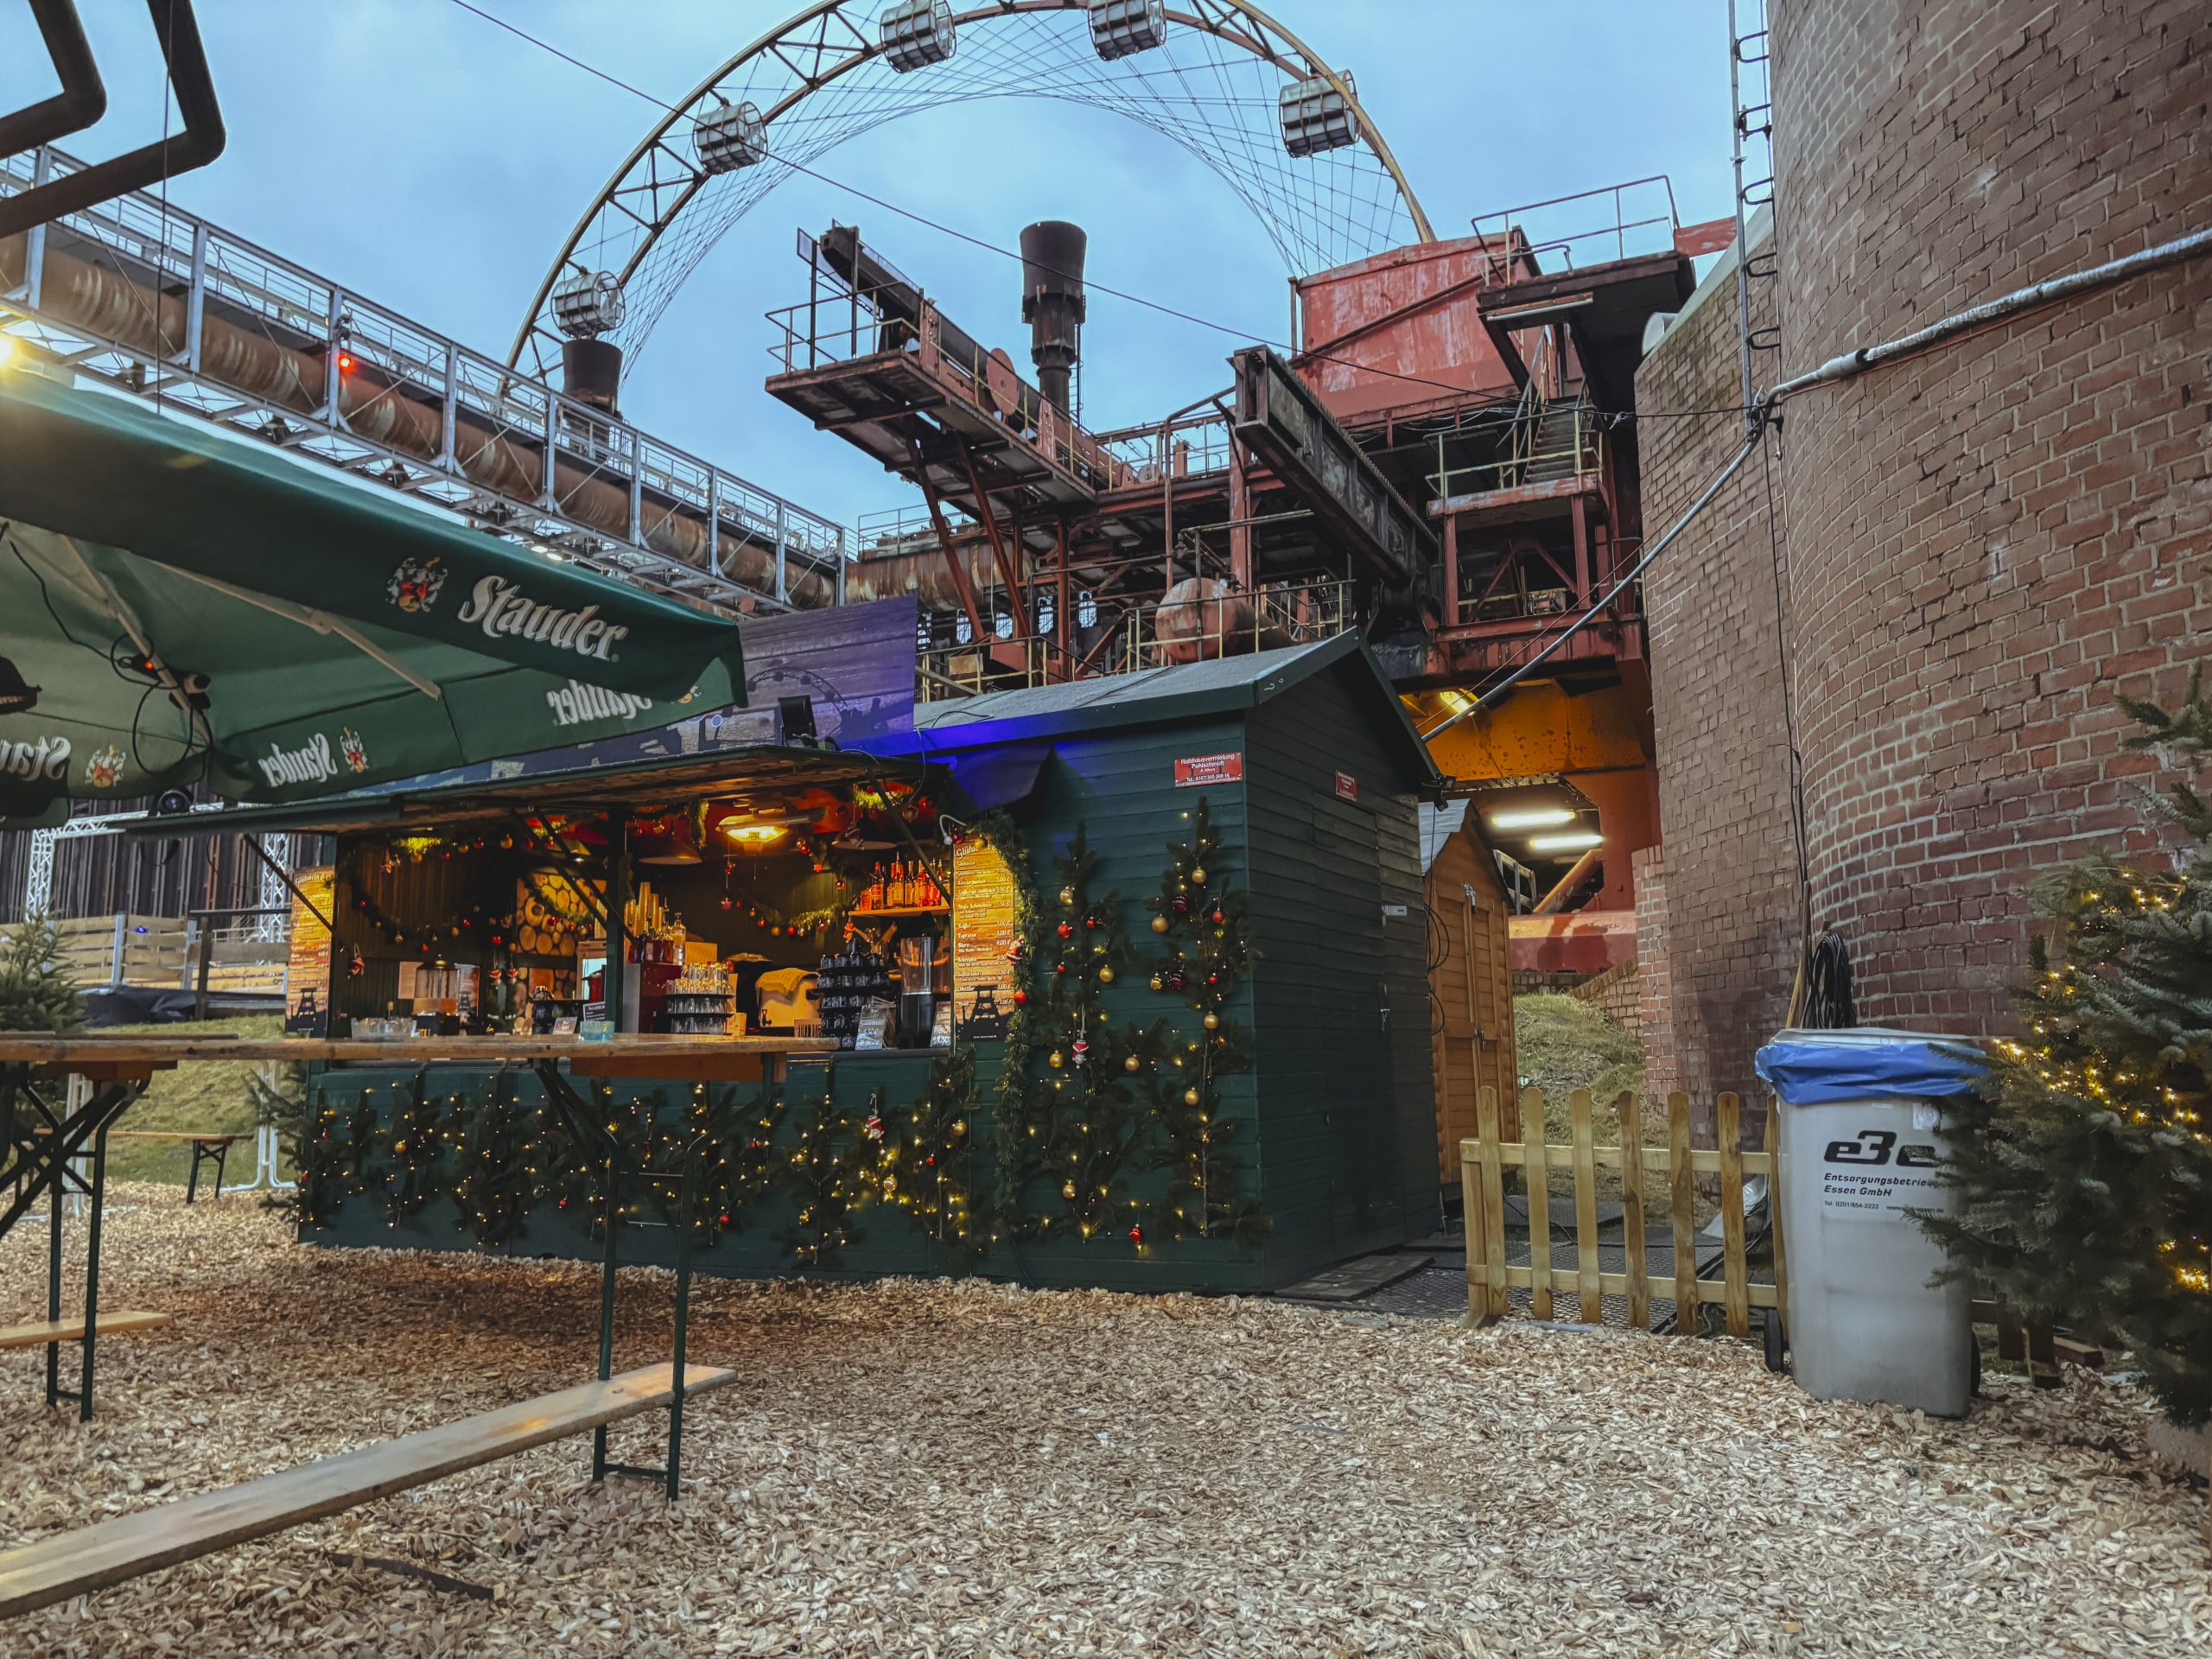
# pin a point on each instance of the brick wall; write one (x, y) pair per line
(1717, 961)
(1654, 973)
(1987, 542)
(1614, 995)
(1980, 546)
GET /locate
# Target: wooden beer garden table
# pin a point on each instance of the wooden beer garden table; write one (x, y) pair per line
(45, 1137)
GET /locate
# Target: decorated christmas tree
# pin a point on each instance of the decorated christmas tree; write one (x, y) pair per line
(37, 990)
(2085, 1177)
(1204, 958)
(1083, 1115)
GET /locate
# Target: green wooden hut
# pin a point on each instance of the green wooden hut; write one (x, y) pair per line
(1303, 769)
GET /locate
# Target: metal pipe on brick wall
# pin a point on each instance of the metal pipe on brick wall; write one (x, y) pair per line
(2195, 245)
(108, 303)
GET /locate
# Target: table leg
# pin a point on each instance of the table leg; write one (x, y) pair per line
(53, 1293)
(92, 1274)
(683, 1208)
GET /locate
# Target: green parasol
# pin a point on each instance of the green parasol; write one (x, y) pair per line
(347, 637)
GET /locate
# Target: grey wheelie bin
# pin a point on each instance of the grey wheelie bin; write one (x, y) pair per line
(1863, 1136)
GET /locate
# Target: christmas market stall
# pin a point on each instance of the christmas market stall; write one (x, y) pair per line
(1127, 982)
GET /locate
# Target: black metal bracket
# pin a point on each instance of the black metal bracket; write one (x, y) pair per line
(83, 98)
(200, 141)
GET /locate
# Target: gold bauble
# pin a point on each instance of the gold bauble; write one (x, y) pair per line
(1067, 1189)
(1067, 897)
(1159, 983)
(1159, 923)
(1213, 1021)
(1198, 876)
(1190, 1096)
(1054, 1060)
(1105, 975)
(1131, 1063)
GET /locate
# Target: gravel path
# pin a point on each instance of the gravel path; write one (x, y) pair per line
(921, 1469)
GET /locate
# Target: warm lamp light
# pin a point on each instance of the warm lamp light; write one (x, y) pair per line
(756, 834)
(1574, 841)
(1532, 818)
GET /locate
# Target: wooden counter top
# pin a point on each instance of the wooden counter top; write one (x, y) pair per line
(708, 1058)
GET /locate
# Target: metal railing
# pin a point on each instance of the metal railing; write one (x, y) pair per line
(846, 317)
(1190, 448)
(156, 300)
(1499, 225)
(1546, 442)
(1235, 623)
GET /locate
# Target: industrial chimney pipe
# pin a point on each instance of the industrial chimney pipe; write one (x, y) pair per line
(1053, 304)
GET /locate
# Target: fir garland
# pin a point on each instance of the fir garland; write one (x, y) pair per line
(927, 1166)
(830, 1170)
(1205, 960)
(1016, 1110)
(1090, 1124)
(737, 1157)
(495, 1183)
(330, 1147)
(415, 1144)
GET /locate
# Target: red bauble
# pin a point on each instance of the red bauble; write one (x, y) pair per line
(1021, 999)
(1090, 922)
(1136, 1234)
(1218, 918)
(1059, 968)
(1182, 904)
(1066, 930)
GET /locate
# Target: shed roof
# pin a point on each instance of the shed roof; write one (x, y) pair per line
(1440, 823)
(1188, 691)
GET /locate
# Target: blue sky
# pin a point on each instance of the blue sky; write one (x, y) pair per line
(436, 163)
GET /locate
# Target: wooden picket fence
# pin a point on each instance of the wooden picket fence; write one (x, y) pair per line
(1667, 1173)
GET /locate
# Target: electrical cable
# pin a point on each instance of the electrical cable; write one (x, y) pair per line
(1094, 287)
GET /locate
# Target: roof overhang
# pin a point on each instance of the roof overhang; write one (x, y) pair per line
(646, 787)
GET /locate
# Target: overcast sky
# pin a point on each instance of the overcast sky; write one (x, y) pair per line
(436, 163)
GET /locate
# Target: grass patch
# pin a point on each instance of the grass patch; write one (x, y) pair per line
(209, 1096)
(1565, 1045)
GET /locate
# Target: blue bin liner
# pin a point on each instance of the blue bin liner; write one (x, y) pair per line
(1812, 1068)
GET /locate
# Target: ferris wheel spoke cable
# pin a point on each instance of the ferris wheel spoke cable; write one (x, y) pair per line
(655, 299)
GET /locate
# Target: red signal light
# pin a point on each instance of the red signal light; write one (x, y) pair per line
(345, 362)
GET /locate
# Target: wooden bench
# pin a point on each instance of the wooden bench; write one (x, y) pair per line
(76, 1563)
(207, 1147)
(44, 1332)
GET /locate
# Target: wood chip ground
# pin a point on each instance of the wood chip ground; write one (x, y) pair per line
(962, 1469)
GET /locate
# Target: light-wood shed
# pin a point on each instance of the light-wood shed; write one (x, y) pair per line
(1469, 979)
